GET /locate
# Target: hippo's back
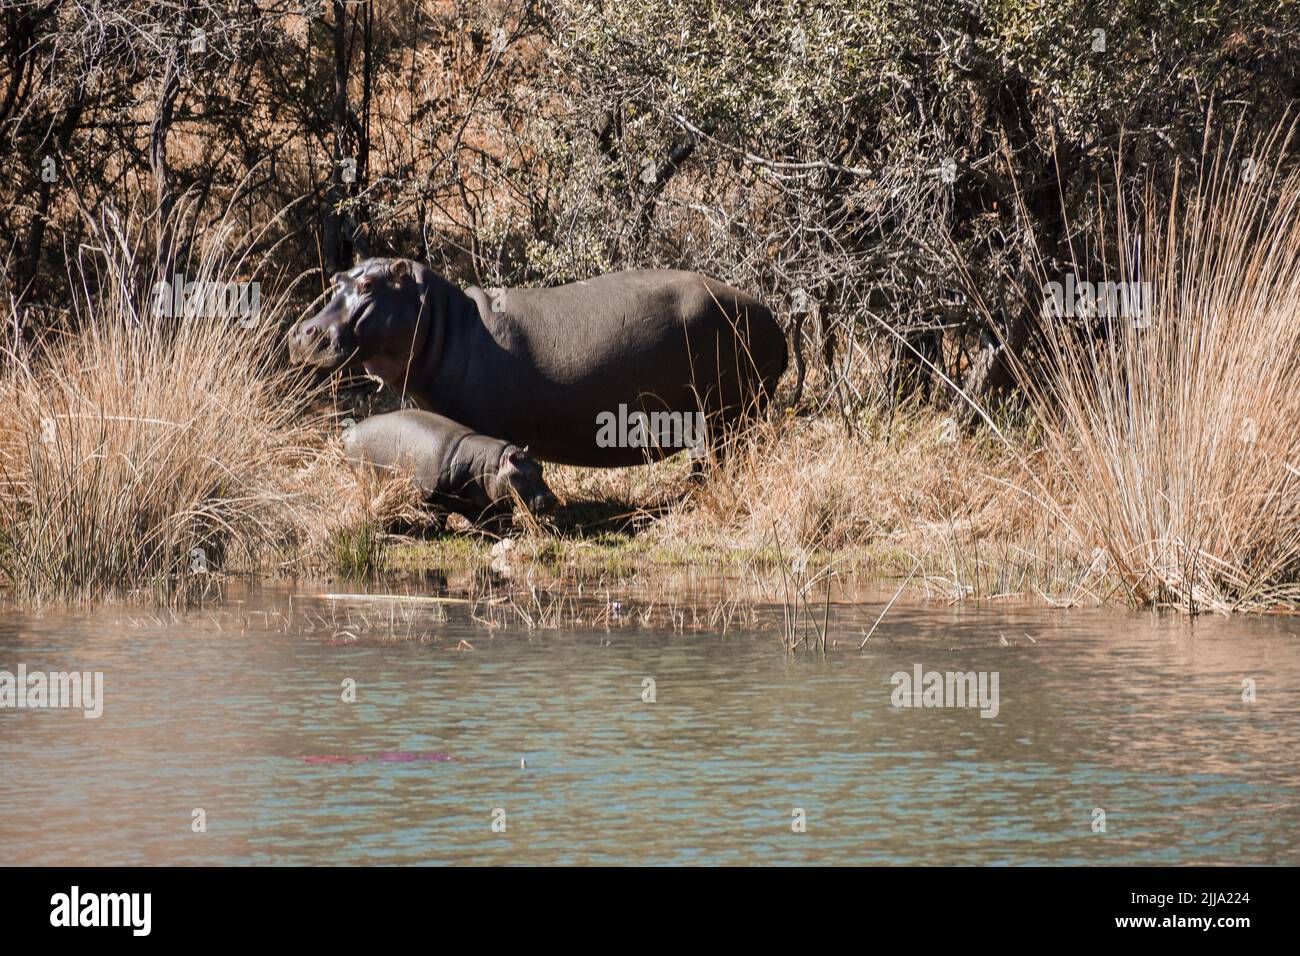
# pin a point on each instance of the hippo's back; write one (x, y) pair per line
(555, 360)
(412, 442)
(621, 312)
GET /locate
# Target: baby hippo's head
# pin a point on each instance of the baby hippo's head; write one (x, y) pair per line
(521, 474)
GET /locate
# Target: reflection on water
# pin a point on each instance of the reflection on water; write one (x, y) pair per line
(239, 712)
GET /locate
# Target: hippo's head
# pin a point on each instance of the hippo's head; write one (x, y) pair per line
(521, 473)
(372, 314)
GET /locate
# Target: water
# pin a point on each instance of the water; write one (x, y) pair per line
(238, 711)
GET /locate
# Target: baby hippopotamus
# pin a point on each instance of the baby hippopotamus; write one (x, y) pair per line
(456, 468)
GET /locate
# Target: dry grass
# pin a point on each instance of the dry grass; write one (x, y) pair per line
(818, 487)
(144, 449)
(345, 515)
(898, 492)
(1177, 440)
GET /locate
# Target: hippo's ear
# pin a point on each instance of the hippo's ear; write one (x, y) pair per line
(399, 268)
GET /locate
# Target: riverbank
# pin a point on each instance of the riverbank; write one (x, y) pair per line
(131, 491)
(1148, 459)
(115, 485)
(908, 498)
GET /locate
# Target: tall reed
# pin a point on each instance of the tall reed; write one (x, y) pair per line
(1175, 432)
(145, 449)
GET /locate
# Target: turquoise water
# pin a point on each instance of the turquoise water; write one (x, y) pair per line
(237, 711)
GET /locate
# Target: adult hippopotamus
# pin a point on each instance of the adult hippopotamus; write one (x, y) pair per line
(454, 467)
(565, 370)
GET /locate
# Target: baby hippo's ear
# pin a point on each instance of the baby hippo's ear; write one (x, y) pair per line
(517, 455)
(399, 269)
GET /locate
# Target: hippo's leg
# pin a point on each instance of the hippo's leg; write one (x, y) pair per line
(719, 438)
(496, 519)
(699, 458)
